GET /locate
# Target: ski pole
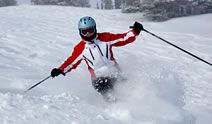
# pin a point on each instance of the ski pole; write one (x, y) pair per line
(37, 84)
(178, 47)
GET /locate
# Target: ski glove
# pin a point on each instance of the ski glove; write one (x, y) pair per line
(138, 27)
(56, 71)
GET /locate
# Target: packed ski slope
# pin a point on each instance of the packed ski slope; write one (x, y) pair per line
(163, 86)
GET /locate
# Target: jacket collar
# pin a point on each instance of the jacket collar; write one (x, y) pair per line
(93, 41)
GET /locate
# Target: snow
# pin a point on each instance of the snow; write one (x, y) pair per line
(163, 85)
(50, 110)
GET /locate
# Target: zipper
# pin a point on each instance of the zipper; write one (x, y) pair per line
(91, 54)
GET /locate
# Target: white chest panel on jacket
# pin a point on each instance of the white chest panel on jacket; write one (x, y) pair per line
(98, 55)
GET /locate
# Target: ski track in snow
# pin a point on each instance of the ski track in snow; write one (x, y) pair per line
(164, 85)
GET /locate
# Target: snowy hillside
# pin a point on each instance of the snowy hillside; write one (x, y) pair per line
(164, 85)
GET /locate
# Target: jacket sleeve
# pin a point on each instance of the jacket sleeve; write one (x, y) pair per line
(119, 39)
(74, 60)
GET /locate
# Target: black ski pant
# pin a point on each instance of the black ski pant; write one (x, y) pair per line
(104, 84)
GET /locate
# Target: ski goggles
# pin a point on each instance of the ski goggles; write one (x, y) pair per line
(90, 31)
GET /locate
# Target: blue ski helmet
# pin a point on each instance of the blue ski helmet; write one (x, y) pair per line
(84, 23)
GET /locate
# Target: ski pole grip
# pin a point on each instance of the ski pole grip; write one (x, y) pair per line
(131, 26)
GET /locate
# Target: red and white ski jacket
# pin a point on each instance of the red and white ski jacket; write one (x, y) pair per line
(98, 55)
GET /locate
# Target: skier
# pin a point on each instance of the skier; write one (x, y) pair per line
(96, 49)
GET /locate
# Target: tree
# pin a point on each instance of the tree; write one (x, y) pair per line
(130, 6)
(78, 3)
(97, 5)
(7, 3)
(102, 4)
(160, 10)
(108, 4)
(118, 4)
